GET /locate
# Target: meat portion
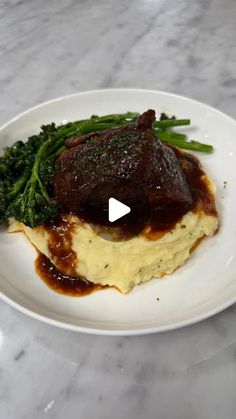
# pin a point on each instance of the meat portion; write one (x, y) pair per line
(127, 163)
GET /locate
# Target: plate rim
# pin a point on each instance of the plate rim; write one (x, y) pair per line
(115, 89)
(109, 331)
(114, 332)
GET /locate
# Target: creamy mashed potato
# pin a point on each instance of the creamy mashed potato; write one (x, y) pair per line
(128, 263)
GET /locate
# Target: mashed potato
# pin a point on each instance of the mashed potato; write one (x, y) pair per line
(128, 263)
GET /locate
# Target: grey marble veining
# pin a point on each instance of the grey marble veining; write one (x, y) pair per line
(49, 49)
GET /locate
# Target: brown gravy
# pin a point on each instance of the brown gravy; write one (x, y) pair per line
(203, 199)
(64, 284)
(60, 232)
(60, 244)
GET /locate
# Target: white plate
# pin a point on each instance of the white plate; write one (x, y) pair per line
(203, 287)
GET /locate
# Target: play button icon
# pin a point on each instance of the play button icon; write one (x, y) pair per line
(116, 210)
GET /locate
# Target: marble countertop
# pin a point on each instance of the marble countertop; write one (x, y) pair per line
(49, 49)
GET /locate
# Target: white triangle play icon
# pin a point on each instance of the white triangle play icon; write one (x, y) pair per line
(116, 210)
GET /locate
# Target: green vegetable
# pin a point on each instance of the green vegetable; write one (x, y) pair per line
(172, 139)
(15, 168)
(168, 123)
(178, 136)
(23, 195)
(163, 132)
(26, 169)
(34, 206)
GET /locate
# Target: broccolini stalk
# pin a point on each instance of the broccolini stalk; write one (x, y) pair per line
(171, 139)
(169, 123)
(33, 206)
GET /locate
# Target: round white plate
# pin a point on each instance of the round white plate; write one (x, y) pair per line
(205, 285)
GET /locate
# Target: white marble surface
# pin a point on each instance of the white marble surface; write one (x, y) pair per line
(52, 48)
